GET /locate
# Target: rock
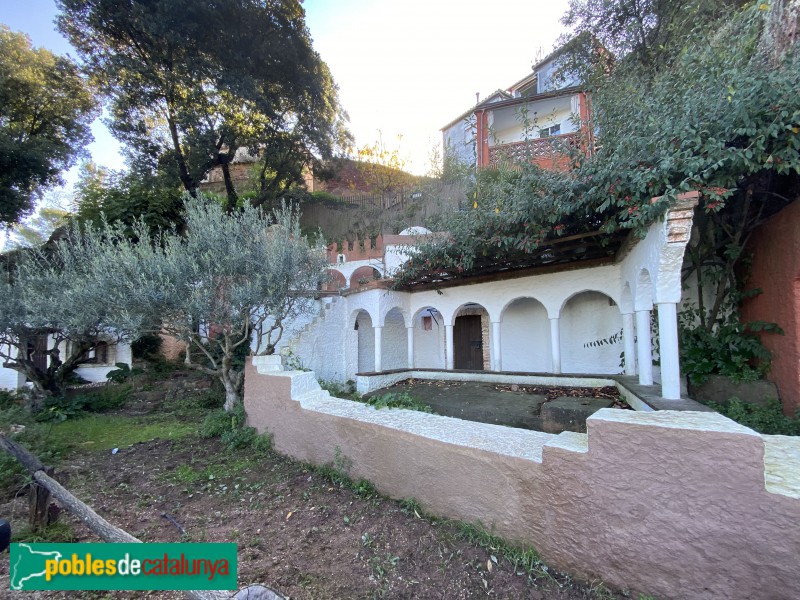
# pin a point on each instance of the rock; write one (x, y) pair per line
(569, 413)
(720, 389)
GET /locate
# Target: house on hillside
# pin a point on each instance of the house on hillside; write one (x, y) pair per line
(523, 120)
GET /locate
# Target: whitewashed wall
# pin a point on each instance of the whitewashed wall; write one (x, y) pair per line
(585, 318)
(394, 345)
(117, 353)
(366, 343)
(525, 337)
(429, 345)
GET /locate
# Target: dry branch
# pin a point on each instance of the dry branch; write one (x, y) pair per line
(104, 529)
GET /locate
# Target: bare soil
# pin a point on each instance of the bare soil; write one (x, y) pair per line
(298, 529)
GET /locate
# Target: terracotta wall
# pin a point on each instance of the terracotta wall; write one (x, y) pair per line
(671, 504)
(775, 247)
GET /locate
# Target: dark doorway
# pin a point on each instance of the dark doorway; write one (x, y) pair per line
(468, 342)
(38, 352)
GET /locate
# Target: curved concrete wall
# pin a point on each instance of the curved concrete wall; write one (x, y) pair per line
(679, 505)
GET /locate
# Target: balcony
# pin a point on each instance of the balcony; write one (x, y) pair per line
(546, 152)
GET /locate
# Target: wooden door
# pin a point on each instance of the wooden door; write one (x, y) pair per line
(468, 342)
(39, 352)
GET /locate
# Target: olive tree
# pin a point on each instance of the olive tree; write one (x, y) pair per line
(231, 278)
(57, 302)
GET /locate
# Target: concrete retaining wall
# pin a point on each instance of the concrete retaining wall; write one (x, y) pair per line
(674, 504)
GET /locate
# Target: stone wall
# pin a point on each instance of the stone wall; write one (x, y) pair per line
(672, 504)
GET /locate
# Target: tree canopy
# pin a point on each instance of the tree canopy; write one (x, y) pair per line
(193, 83)
(722, 120)
(231, 278)
(46, 110)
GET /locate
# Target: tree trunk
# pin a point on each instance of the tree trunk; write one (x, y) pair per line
(232, 381)
(233, 198)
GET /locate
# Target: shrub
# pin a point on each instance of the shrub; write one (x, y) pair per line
(233, 433)
(398, 400)
(122, 373)
(768, 419)
(147, 346)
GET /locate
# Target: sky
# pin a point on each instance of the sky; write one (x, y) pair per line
(404, 67)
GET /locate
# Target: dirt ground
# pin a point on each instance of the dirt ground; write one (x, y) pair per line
(501, 404)
(298, 529)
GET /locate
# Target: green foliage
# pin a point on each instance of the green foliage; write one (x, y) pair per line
(109, 397)
(520, 558)
(56, 533)
(127, 197)
(190, 84)
(325, 198)
(768, 419)
(122, 373)
(73, 292)
(46, 110)
(730, 348)
(35, 437)
(230, 427)
(397, 400)
(146, 346)
(720, 120)
(346, 390)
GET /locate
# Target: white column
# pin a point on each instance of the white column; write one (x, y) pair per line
(555, 344)
(644, 350)
(378, 336)
(448, 347)
(668, 350)
(410, 351)
(629, 339)
(497, 363)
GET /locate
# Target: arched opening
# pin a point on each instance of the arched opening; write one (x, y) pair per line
(591, 334)
(365, 335)
(394, 341)
(364, 275)
(336, 281)
(471, 338)
(429, 339)
(525, 337)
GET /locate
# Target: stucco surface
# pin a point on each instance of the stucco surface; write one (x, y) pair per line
(671, 504)
(776, 271)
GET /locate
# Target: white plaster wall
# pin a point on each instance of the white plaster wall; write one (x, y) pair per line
(429, 345)
(349, 267)
(551, 289)
(10, 379)
(508, 124)
(588, 317)
(459, 142)
(394, 346)
(395, 257)
(525, 337)
(322, 344)
(118, 353)
(366, 344)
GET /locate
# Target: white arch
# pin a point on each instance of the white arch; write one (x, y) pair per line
(643, 291)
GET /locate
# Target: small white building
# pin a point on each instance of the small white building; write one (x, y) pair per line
(100, 360)
(581, 316)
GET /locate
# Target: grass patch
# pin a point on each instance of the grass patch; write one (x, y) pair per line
(398, 400)
(521, 559)
(58, 532)
(104, 432)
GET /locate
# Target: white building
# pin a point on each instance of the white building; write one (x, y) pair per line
(543, 319)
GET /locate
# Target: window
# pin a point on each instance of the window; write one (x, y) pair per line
(552, 130)
(427, 323)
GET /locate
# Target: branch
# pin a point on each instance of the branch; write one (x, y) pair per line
(108, 532)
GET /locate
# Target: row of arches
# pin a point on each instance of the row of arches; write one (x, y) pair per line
(585, 338)
(337, 280)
